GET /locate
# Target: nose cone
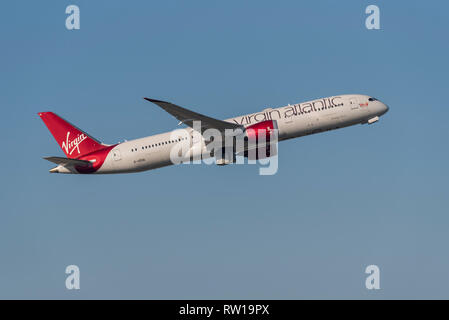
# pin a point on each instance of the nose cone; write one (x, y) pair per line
(383, 108)
(377, 107)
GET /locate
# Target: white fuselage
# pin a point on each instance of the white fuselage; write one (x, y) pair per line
(293, 121)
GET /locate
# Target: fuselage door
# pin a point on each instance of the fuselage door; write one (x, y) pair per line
(116, 154)
(354, 103)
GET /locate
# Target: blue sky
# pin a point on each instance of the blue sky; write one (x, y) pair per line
(341, 200)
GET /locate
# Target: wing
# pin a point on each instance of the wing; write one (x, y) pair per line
(69, 162)
(188, 117)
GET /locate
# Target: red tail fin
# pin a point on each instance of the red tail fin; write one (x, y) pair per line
(73, 141)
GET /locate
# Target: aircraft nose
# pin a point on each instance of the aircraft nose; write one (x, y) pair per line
(377, 106)
(384, 108)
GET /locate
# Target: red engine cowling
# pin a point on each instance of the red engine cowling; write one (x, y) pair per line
(261, 140)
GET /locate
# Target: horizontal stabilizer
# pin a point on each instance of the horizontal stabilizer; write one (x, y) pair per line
(69, 162)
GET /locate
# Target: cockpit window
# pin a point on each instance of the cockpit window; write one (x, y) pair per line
(372, 99)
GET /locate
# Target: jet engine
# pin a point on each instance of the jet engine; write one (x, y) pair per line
(261, 140)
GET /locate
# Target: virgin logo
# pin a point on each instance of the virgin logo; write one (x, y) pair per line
(70, 145)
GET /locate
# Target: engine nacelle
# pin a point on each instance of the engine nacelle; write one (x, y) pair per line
(261, 140)
(257, 141)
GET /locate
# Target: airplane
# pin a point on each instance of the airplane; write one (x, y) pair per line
(87, 155)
